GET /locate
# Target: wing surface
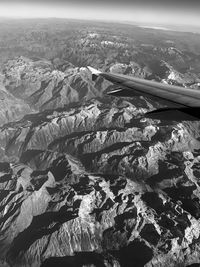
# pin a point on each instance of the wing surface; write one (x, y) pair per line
(130, 86)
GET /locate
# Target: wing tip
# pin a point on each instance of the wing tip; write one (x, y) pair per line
(95, 72)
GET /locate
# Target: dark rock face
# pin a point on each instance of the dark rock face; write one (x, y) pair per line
(86, 179)
(119, 218)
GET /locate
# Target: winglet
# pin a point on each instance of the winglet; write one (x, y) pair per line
(95, 73)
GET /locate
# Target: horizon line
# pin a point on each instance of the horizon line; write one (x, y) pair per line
(98, 19)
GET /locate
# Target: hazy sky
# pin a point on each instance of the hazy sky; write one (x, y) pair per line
(142, 11)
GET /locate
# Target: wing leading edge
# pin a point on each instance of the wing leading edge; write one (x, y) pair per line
(188, 98)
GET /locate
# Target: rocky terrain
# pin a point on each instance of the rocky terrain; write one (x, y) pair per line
(85, 178)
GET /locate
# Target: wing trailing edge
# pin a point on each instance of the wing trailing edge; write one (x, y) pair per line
(174, 114)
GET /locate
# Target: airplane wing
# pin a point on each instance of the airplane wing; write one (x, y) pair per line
(188, 98)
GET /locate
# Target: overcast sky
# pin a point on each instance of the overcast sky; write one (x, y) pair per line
(142, 11)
